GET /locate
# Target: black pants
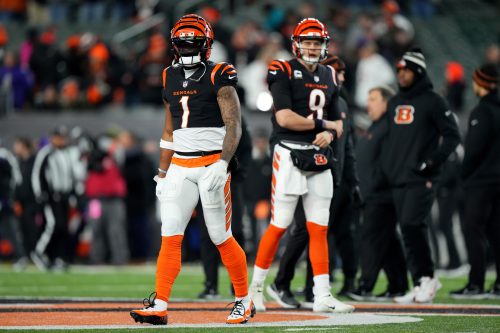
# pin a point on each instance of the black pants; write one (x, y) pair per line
(54, 238)
(209, 254)
(381, 248)
(482, 224)
(297, 243)
(340, 237)
(29, 228)
(413, 206)
(253, 241)
(9, 229)
(341, 230)
(448, 199)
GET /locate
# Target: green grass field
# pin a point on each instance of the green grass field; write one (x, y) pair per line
(138, 282)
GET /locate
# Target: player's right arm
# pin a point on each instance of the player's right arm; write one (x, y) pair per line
(293, 121)
(279, 84)
(167, 142)
(167, 136)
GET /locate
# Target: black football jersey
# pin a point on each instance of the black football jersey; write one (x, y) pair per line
(193, 101)
(311, 95)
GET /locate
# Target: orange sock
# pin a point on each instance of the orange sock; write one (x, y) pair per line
(318, 248)
(234, 258)
(268, 246)
(168, 265)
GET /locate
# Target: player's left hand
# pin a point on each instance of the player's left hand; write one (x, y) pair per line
(334, 125)
(323, 139)
(161, 186)
(216, 175)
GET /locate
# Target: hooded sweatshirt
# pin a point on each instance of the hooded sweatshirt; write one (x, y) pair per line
(417, 119)
(481, 165)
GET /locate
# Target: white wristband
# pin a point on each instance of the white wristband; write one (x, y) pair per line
(166, 144)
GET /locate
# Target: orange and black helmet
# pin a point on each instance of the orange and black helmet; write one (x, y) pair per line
(192, 38)
(310, 28)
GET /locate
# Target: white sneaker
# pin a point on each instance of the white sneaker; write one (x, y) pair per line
(408, 298)
(256, 293)
(20, 264)
(40, 260)
(428, 289)
(306, 305)
(328, 303)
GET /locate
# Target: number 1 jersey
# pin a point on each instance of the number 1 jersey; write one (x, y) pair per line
(196, 116)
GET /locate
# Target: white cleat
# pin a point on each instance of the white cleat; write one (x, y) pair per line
(408, 298)
(328, 303)
(154, 312)
(428, 289)
(256, 293)
(241, 312)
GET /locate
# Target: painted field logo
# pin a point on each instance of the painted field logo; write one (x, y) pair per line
(404, 114)
(320, 159)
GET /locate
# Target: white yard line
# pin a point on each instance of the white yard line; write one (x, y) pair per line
(331, 320)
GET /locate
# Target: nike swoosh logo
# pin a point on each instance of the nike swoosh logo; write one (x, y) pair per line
(231, 77)
(273, 72)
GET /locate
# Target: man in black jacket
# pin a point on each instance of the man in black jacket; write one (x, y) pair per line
(24, 196)
(380, 245)
(418, 119)
(481, 176)
(10, 178)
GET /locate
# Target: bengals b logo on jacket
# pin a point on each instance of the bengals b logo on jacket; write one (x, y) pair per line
(404, 114)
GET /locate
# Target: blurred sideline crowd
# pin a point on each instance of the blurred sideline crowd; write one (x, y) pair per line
(84, 71)
(71, 197)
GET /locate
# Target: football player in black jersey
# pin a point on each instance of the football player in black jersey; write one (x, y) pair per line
(201, 132)
(305, 119)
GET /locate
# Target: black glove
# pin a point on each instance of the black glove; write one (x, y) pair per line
(425, 168)
(357, 197)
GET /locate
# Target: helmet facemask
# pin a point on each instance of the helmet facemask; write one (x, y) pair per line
(190, 51)
(303, 53)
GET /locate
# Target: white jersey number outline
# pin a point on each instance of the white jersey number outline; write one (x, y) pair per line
(185, 111)
(317, 101)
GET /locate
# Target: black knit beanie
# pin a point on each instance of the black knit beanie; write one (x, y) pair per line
(486, 76)
(414, 60)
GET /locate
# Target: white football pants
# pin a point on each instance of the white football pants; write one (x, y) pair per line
(184, 187)
(289, 183)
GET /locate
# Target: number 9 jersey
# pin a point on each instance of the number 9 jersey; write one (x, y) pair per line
(311, 95)
(196, 116)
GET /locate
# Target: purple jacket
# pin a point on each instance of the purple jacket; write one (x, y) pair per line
(20, 81)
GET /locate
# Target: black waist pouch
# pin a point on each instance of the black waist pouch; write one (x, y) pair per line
(312, 159)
